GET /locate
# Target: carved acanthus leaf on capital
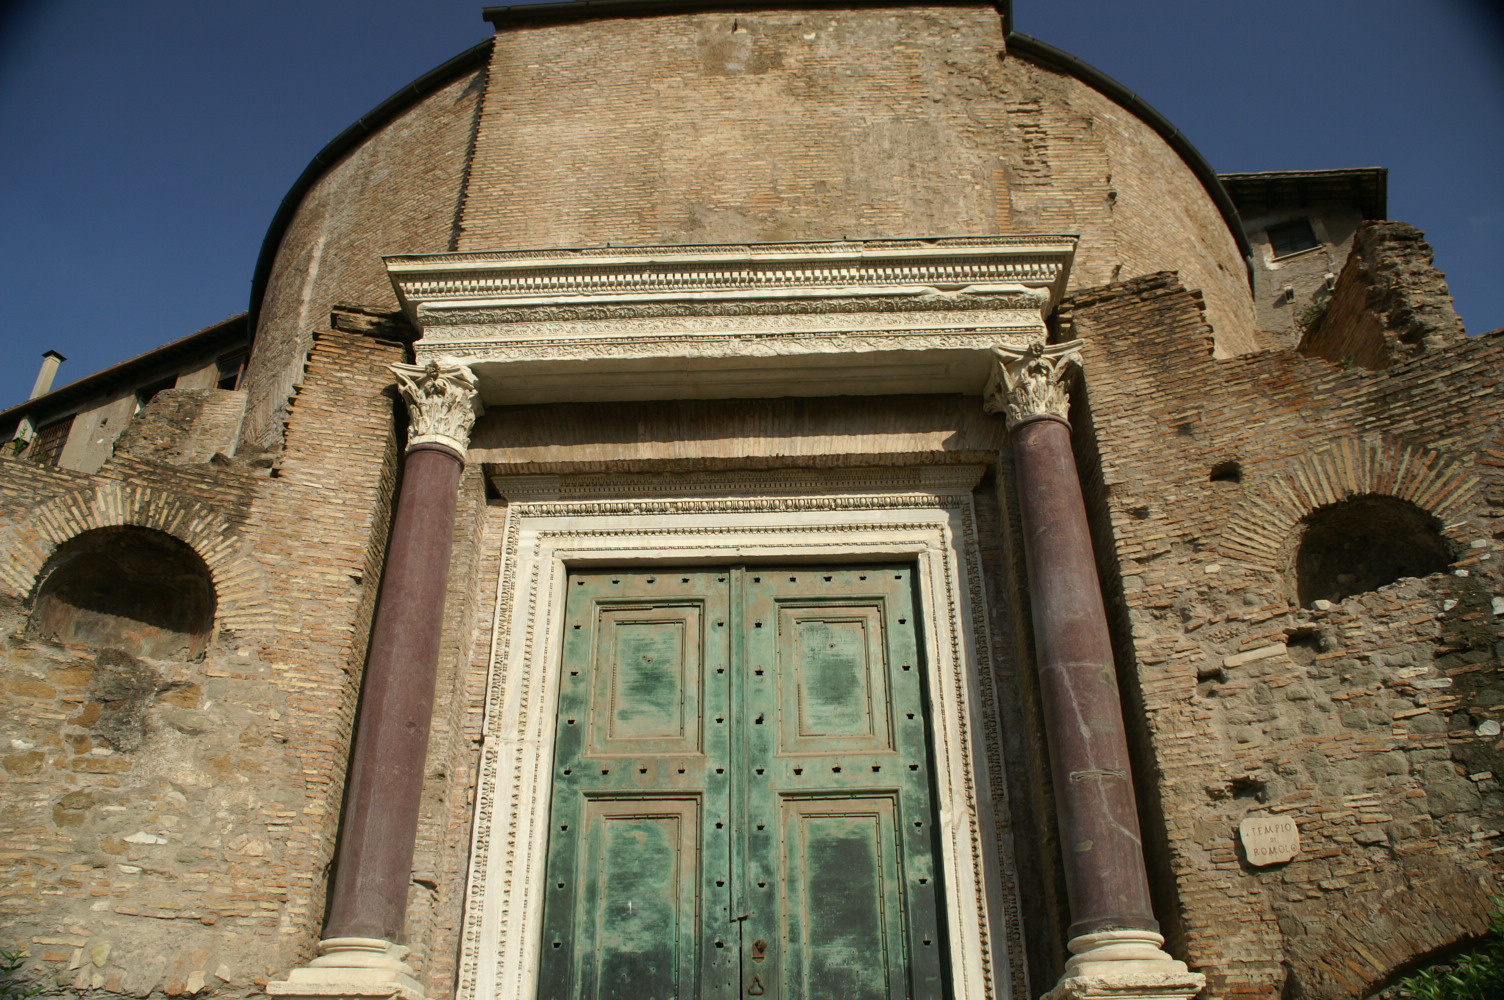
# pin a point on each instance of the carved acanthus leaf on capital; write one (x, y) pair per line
(1031, 381)
(442, 402)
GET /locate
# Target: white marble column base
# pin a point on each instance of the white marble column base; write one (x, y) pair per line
(1124, 965)
(358, 968)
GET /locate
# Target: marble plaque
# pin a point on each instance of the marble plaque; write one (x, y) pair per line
(1269, 840)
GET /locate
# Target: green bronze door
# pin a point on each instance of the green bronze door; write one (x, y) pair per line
(741, 799)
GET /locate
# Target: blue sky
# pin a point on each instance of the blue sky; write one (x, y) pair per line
(150, 143)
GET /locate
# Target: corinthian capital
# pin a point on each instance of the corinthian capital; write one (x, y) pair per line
(441, 401)
(1031, 381)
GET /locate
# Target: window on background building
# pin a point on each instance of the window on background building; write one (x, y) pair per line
(47, 447)
(146, 393)
(1292, 237)
(231, 368)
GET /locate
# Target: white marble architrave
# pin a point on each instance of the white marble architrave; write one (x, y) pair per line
(851, 516)
(718, 322)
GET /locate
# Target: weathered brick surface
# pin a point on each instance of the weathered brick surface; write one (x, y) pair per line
(212, 418)
(1364, 719)
(1389, 303)
(398, 192)
(191, 856)
(137, 846)
(827, 124)
(321, 538)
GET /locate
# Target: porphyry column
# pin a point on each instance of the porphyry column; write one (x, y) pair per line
(360, 950)
(1114, 938)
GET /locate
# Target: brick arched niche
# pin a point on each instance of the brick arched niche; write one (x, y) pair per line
(1359, 545)
(127, 587)
(1266, 528)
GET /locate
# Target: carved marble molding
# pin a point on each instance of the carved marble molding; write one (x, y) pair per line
(866, 515)
(442, 402)
(1032, 381)
(614, 323)
(672, 271)
(752, 308)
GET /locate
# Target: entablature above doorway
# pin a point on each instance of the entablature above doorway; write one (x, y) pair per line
(873, 317)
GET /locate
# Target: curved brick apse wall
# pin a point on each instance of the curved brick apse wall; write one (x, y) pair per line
(1081, 163)
(887, 122)
(399, 191)
(715, 126)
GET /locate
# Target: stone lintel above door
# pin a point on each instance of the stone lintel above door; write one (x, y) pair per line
(740, 321)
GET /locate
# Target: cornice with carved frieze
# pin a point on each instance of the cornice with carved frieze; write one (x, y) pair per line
(728, 321)
(974, 300)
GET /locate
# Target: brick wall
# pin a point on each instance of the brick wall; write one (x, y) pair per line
(1366, 720)
(829, 124)
(185, 427)
(724, 127)
(320, 537)
(168, 823)
(137, 842)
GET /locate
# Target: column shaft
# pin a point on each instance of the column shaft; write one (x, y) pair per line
(368, 898)
(1104, 866)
